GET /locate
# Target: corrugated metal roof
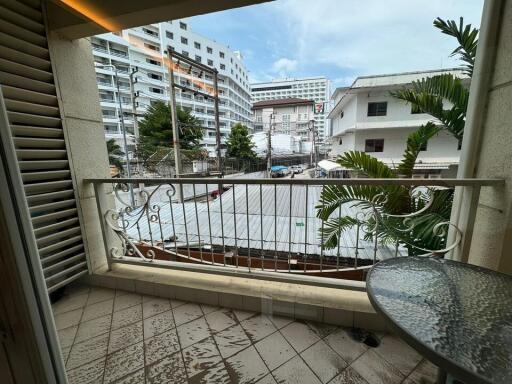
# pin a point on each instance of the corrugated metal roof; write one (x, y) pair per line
(250, 221)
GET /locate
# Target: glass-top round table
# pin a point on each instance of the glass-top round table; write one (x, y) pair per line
(457, 315)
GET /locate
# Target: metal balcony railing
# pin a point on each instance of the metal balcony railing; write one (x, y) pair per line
(268, 227)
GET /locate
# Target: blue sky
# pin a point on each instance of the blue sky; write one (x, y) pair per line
(339, 39)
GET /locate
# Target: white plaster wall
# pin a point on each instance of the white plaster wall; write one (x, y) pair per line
(398, 110)
(491, 244)
(339, 124)
(443, 145)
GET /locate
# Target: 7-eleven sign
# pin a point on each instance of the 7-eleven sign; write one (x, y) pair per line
(319, 108)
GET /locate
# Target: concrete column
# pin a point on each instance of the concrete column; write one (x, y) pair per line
(491, 245)
(75, 78)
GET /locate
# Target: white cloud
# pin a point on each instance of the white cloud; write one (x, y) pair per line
(284, 66)
(372, 36)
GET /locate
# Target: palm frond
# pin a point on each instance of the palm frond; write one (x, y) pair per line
(466, 36)
(428, 95)
(332, 229)
(415, 142)
(365, 164)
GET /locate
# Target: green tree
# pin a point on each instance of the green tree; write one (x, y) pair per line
(155, 130)
(239, 143)
(114, 153)
(430, 94)
(387, 201)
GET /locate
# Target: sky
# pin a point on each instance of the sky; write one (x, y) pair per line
(338, 39)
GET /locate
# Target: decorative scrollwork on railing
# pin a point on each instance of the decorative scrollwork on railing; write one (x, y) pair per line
(373, 220)
(127, 216)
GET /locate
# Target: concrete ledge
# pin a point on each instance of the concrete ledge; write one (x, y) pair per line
(329, 305)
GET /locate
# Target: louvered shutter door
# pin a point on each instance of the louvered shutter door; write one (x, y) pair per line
(27, 85)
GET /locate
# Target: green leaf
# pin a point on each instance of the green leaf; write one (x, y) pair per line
(365, 164)
(332, 229)
(467, 38)
(415, 142)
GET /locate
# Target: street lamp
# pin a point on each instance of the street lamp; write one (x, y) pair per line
(123, 127)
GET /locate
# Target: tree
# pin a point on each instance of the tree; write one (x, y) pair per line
(385, 203)
(429, 94)
(114, 153)
(155, 130)
(239, 143)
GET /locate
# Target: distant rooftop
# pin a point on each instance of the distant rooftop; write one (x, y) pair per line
(393, 79)
(282, 102)
(290, 79)
(401, 78)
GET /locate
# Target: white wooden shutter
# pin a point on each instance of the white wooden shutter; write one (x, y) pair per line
(27, 86)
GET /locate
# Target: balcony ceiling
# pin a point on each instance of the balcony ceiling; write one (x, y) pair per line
(81, 18)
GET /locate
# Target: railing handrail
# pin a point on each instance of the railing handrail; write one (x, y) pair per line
(482, 182)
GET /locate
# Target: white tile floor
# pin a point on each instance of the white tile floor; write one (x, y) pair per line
(110, 336)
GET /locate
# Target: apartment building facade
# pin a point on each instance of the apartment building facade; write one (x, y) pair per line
(145, 48)
(365, 117)
(309, 88)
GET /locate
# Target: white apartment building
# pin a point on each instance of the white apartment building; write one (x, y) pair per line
(290, 116)
(290, 121)
(365, 117)
(145, 48)
(310, 88)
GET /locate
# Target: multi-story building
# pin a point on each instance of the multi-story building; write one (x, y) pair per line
(365, 117)
(290, 122)
(290, 116)
(310, 88)
(145, 48)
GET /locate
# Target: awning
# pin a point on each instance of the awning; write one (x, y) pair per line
(329, 166)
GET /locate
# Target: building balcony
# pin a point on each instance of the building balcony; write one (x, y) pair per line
(233, 287)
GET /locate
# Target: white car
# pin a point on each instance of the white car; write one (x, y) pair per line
(296, 169)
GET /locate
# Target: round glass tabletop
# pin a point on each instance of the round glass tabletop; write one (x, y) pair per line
(459, 316)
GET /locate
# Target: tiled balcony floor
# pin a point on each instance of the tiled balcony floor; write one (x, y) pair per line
(110, 336)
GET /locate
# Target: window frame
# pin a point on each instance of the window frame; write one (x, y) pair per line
(374, 145)
(377, 112)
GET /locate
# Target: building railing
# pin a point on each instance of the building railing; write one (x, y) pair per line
(267, 228)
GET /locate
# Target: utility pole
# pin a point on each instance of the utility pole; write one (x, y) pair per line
(175, 128)
(269, 147)
(217, 123)
(135, 95)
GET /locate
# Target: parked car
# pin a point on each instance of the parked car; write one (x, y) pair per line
(296, 169)
(279, 171)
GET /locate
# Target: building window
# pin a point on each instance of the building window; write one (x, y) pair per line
(156, 90)
(151, 46)
(209, 50)
(154, 62)
(221, 54)
(378, 109)
(210, 63)
(340, 142)
(183, 25)
(197, 45)
(169, 35)
(184, 53)
(184, 40)
(154, 76)
(222, 66)
(374, 145)
(150, 32)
